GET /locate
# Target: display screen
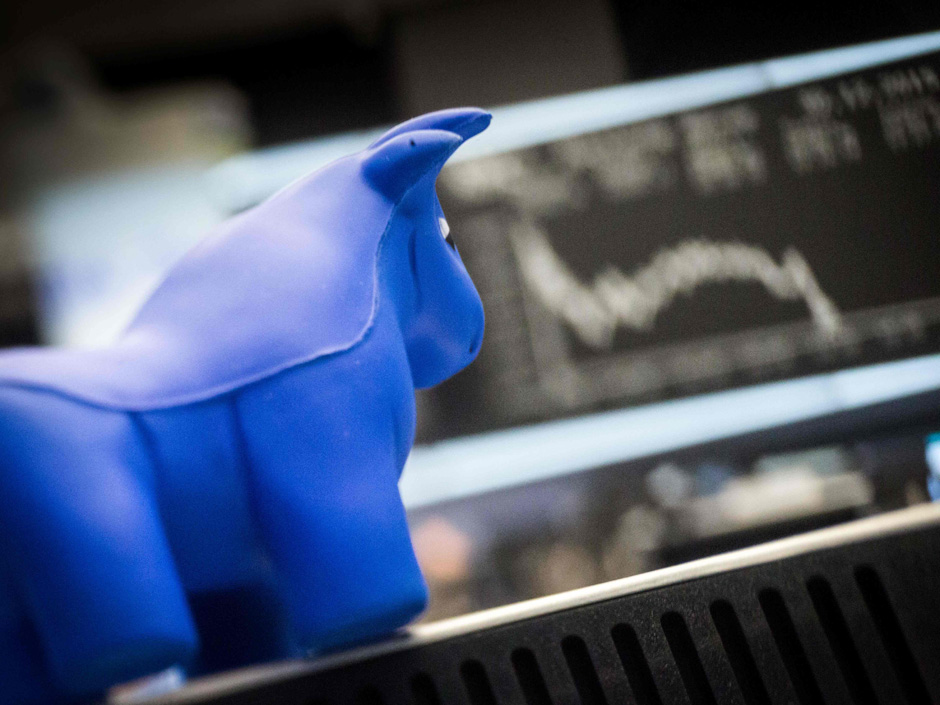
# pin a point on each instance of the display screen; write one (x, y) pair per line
(658, 284)
(777, 236)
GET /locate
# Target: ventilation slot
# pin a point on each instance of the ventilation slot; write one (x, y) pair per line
(477, 683)
(687, 660)
(840, 639)
(423, 690)
(739, 654)
(889, 628)
(530, 678)
(582, 671)
(790, 648)
(635, 665)
(369, 696)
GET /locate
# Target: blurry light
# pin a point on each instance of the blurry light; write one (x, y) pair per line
(490, 461)
(442, 549)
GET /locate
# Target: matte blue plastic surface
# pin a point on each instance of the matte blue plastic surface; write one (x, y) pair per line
(220, 486)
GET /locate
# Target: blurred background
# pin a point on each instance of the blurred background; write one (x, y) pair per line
(705, 238)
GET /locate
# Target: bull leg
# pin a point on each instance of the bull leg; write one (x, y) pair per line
(85, 544)
(207, 517)
(325, 446)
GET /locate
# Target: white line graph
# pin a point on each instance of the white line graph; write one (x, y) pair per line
(615, 299)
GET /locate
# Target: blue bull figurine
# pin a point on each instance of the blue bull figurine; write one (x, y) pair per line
(220, 485)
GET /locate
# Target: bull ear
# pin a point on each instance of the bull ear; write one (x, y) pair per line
(465, 122)
(396, 165)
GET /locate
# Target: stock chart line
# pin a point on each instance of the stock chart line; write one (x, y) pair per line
(595, 311)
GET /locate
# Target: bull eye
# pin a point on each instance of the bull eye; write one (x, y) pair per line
(445, 232)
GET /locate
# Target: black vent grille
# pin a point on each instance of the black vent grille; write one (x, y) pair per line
(858, 624)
